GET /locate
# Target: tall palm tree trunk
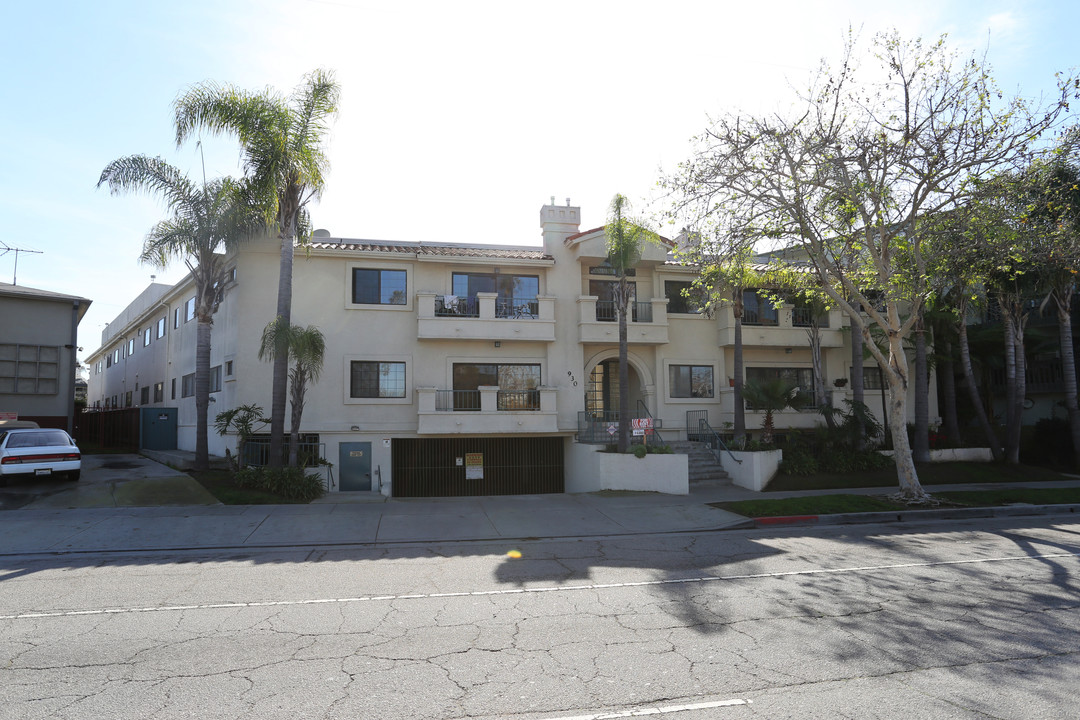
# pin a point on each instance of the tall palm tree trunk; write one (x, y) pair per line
(739, 408)
(858, 391)
(281, 358)
(1068, 370)
(973, 388)
(624, 369)
(202, 389)
(298, 389)
(921, 444)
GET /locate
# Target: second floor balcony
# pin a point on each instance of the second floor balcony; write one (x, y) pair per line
(485, 316)
(647, 321)
(784, 326)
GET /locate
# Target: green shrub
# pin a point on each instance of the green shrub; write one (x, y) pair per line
(798, 462)
(288, 482)
(639, 451)
(659, 449)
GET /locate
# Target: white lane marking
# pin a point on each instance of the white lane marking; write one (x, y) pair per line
(529, 591)
(659, 710)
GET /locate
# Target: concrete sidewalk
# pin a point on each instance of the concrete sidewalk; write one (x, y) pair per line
(107, 512)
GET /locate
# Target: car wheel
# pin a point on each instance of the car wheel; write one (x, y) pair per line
(74, 475)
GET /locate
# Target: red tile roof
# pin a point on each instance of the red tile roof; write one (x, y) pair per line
(499, 252)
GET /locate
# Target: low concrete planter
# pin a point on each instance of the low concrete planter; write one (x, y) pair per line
(756, 469)
(955, 455)
(589, 470)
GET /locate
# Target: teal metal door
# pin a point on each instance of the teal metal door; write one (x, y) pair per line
(354, 463)
(158, 428)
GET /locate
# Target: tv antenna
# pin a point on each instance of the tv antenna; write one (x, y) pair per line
(5, 249)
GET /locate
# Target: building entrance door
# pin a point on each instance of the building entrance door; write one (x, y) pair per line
(354, 463)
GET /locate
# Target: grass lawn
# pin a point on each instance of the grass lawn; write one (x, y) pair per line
(221, 485)
(843, 503)
(929, 474)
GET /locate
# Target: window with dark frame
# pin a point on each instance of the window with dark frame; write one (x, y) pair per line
(681, 297)
(187, 385)
(215, 379)
(871, 378)
(189, 310)
(176, 319)
(144, 396)
(373, 379)
(802, 378)
(690, 381)
(518, 385)
(173, 395)
(159, 392)
(379, 287)
(146, 337)
(161, 328)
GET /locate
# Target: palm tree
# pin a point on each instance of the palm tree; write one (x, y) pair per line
(207, 218)
(626, 239)
(282, 142)
(306, 348)
(770, 396)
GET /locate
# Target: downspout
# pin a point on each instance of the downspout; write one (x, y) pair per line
(71, 368)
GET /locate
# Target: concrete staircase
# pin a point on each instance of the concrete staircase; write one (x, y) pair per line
(704, 468)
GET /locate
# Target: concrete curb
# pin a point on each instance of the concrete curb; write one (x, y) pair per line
(916, 515)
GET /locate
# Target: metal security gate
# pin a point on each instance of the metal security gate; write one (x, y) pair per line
(454, 467)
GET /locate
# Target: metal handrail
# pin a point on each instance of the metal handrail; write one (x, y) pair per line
(713, 440)
(642, 407)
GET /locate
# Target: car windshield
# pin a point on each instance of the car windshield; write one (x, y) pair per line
(44, 438)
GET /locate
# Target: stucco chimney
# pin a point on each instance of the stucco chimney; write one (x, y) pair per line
(558, 222)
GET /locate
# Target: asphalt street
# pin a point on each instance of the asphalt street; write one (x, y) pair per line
(954, 619)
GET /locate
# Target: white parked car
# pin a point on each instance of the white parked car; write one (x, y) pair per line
(38, 452)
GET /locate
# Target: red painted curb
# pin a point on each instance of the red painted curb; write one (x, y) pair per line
(786, 520)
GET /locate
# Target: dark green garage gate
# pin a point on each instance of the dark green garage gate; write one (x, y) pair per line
(451, 467)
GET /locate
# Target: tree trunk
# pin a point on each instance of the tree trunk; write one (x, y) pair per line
(202, 388)
(973, 391)
(821, 392)
(858, 393)
(297, 401)
(281, 356)
(739, 407)
(624, 369)
(1068, 371)
(897, 376)
(921, 444)
(947, 374)
(1012, 419)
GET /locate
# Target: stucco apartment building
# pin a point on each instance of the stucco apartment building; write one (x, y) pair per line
(442, 356)
(38, 343)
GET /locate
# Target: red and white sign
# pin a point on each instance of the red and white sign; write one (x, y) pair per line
(642, 426)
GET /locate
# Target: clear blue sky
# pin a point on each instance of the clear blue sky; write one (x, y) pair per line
(458, 120)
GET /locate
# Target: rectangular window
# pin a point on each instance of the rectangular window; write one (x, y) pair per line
(377, 379)
(379, 287)
(176, 318)
(228, 368)
(189, 310)
(145, 398)
(146, 336)
(97, 368)
(159, 392)
(682, 298)
(161, 328)
(690, 381)
(108, 361)
(131, 347)
(187, 385)
(173, 394)
(215, 379)
(29, 369)
(518, 385)
(871, 378)
(801, 378)
(127, 399)
(606, 310)
(516, 295)
(116, 356)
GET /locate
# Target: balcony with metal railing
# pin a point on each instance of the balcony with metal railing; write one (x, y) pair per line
(486, 410)
(646, 323)
(782, 327)
(485, 316)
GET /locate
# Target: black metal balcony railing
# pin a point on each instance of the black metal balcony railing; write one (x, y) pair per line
(805, 317)
(456, 306)
(640, 311)
(759, 317)
(518, 400)
(469, 400)
(517, 309)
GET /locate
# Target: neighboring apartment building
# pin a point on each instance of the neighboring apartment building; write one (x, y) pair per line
(440, 357)
(38, 344)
